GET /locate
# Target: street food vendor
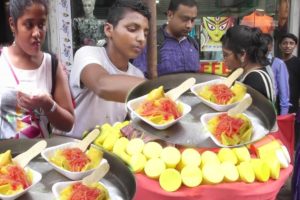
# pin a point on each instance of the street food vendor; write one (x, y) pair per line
(102, 76)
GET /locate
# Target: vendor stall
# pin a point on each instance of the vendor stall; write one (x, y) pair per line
(188, 133)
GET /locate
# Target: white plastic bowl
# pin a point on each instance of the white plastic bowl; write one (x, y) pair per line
(36, 177)
(58, 187)
(134, 104)
(49, 152)
(258, 130)
(198, 87)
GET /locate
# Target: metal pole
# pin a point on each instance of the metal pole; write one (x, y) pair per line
(152, 41)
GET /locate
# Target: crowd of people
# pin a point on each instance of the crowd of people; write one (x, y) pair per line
(35, 91)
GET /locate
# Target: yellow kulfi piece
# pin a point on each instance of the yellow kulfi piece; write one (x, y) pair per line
(208, 157)
(170, 180)
(152, 150)
(190, 156)
(261, 169)
(137, 162)
(120, 145)
(230, 171)
(191, 176)
(212, 173)
(274, 166)
(124, 156)
(246, 172)
(154, 167)
(171, 156)
(242, 154)
(105, 131)
(226, 154)
(135, 146)
(110, 141)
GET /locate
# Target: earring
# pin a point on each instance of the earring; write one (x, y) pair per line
(14, 43)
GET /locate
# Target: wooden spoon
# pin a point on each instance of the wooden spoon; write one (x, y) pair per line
(83, 144)
(233, 76)
(24, 158)
(175, 93)
(97, 174)
(240, 107)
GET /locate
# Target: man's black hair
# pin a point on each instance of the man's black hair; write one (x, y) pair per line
(288, 35)
(120, 7)
(174, 4)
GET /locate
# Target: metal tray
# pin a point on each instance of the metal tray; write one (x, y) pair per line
(189, 131)
(119, 178)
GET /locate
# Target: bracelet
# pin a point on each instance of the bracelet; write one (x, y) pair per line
(54, 106)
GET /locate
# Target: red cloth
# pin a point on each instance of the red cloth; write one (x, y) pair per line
(286, 132)
(149, 189)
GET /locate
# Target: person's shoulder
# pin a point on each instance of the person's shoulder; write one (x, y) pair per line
(133, 70)
(279, 60)
(88, 49)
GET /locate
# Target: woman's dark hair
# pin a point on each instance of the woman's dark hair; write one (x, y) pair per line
(268, 38)
(243, 38)
(288, 35)
(17, 7)
(120, 7)
(174, 4)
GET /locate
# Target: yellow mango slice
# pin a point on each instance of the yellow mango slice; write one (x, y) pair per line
(230, 171)
(171, 156)
(191, 176)
(170, 180)
(212, 173)
(6, 189)
(154, 167)
(246, 172)
(5, 158)
(152, 150)
(226, 154)
(95, 155)
(156, 93)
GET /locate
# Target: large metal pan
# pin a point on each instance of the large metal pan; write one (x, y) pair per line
(189, 131)
(119, 177)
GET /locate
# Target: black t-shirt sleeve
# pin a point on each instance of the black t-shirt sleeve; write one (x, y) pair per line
(255, 81)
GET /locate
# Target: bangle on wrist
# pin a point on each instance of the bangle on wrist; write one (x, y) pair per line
(54, 106)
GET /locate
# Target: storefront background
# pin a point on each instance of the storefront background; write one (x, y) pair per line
(214, 17)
